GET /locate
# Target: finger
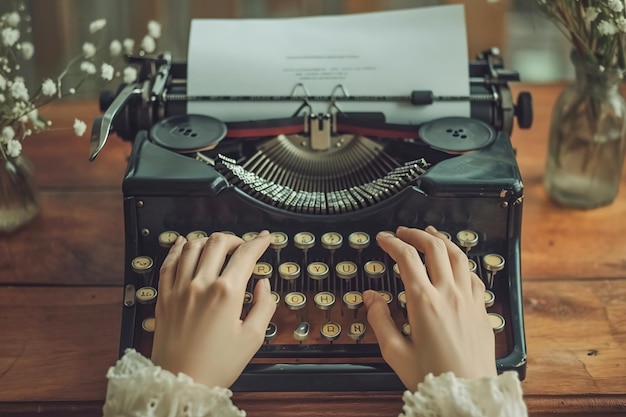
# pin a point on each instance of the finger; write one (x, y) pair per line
(458, 260)
(261, 312)
(241, 263)
(478, 288)
(435, 254)
(412, 270)
(394, 347)
(214, 254)
(167, 274)
(189, 261)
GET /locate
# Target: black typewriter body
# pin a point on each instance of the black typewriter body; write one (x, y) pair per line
(326, 216)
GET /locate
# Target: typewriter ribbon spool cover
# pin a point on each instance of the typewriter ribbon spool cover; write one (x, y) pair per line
(325, 176)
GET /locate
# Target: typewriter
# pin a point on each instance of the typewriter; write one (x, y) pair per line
(324, 185)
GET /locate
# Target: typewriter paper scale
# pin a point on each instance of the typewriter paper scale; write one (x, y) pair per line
(321, 260)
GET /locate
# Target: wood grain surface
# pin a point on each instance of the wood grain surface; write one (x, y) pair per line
(60, 290)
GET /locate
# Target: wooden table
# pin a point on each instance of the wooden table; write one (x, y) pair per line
(60, 290)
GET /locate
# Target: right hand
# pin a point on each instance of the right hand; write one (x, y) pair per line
(450, 331)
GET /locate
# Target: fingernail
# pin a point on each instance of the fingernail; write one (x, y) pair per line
(402, 227)
(431, 229)
(385, 234)
(179, 240)
(368, 297)
(263, 233)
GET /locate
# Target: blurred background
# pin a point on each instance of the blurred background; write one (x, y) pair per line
(529, 43)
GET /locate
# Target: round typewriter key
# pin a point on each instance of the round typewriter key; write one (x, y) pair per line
(289, 271)
(402, 299)
(196, 234)
(248, 236)
(331, 240)
(330, 331)
(356, 331)
(148, 324)
(262, 270)
(472, 265)
(374, 269)
(406, 329)
(142, 264)
(295, 300)
(490, 298)
(271, 331)
(359, 240)
(317, 270)
(493, 262)
(497, 322)
(276, 297)
(187, 133)
(445, 234)
(146, 295)
(396, 271)
(457, 134)
(353, 300)
(467, 239)
(167, 239)
(387, 296)
(247, 298)
(302, 331)
(346, 269)
(278, 240)
(304, 240)
(324, 300)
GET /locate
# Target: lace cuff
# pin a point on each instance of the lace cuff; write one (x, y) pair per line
(139, 388)
(447, 395)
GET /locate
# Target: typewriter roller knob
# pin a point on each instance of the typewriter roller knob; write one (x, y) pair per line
(278, 240)
(374, 269)
(262, 270)
(304, 240)
(457, 134)
(331, 240)
(359, 240)
(187, 133)
(142, 264)
(467, 239)
(346, 270)
(330, 331)
(167, 238)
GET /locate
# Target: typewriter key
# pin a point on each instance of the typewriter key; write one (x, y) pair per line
(331, 240)
(248, 236)
(270, 332)
(324, 300)
(317, 271)
(148, 324)
(278, 240)
(196, 234)
(396, 271)
(146, 295)
(167, 239)
(302, 331)
(374, 269)
(353, 300)
(490, 298)
(276, 297)
(289, 271)
(357, 330)
(346, 269)
(406, 329)
(359, 240)
(402, 299)
(142, 264)
(262, 270)
(467, 239)
(295, 300)
(497, 322)
(472, 265)
(387, 296)
(492, 263)
(304, 240)
(330, 331)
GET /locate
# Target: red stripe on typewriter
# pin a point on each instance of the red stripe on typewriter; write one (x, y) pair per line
(384, 131)
(264, 129)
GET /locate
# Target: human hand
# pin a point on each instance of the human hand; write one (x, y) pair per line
(198, 327)
(450, 330)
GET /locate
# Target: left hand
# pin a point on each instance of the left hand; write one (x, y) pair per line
(198, 327)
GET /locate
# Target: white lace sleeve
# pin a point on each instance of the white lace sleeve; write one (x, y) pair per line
(448, 396)
(137, 388)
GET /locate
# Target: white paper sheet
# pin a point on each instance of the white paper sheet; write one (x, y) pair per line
(384, 53)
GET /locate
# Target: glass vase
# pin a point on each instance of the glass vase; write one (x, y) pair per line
(19, 194)
(586, 140)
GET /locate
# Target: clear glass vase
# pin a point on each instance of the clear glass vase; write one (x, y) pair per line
(19, 194)
(586, 142)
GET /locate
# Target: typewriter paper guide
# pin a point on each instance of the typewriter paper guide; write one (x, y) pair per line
(385, 53)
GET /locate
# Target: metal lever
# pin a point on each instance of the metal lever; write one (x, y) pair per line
(102, 126)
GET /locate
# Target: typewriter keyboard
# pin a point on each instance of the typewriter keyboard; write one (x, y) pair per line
(318, 282)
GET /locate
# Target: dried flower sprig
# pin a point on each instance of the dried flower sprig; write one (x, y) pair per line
(19, 117)
(595, 28)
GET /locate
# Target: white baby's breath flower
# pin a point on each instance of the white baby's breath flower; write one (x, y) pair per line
(107, 71)
(115, 48)
(28, 50)
(591, 14)
(72, 90)
(607, 28)
(130, 75)
(148, 44)
(13, 19)
(10, 36)
(8, 133)
(18, 90)
(129, 45)
(97, 25)
(89, 49)
(620, 22)
(3, 83)
(80, 127)
(48, 88)
(154, 29)
(616, 5)
(88, 67)
(14, 148)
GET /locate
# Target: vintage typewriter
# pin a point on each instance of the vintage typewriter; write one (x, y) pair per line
(324, 185)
